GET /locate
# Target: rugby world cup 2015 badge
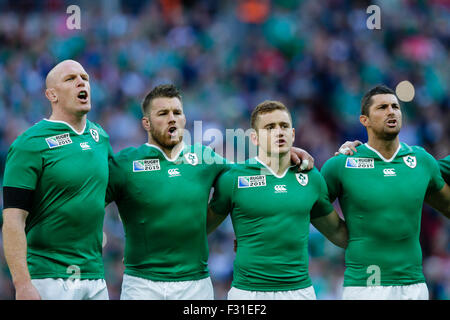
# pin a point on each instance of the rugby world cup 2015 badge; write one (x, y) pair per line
(58, 141)
(302, 178)
(146, 165)
(251, 181)
(410, 161)
(191, 158)
(360, 163)
(94, 134)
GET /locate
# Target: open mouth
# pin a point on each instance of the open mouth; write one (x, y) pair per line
(172, 131)
(391, 122)
(83, 96)
(281, 142)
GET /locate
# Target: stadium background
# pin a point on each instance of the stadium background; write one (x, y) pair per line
(318, 57)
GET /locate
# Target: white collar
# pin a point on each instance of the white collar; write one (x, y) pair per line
(270, 169)
(63, 122)
(164, 154)
(381, 156)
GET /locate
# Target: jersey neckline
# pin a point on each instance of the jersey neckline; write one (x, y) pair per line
(270, 169)
(164, 154)
(381, 156)
(67, 124)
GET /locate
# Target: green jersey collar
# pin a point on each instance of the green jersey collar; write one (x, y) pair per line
(402, 150)
(164, 154)
(271, 171)
(73, 129)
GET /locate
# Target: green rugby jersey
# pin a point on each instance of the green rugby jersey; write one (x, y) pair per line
(444, 165)
(163, 206)
(271, 217)
(69, 174)
(382, 200)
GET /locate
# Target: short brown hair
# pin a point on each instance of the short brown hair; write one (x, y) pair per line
(161, 91)
(267, 107)
(366, 101)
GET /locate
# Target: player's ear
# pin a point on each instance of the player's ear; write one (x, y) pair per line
(293, 135)
(146, 123)
(51, 95)
(364, 120)
(254, 137)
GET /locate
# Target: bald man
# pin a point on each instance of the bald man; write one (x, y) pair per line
(54, 189)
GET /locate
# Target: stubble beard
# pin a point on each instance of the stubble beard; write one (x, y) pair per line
(159, 139)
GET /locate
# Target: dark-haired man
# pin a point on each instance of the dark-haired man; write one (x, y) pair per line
(381, 190)
(162, 190)
(349, 148)
(271, 206)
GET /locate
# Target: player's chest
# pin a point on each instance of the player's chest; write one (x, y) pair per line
(146, 175)
(72, 152)
(369, 178)
(268, 195)
(70, 159)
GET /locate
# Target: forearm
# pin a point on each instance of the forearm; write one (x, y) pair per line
(213, 221)
(339, 236)
(333, 228)
(440, 200)
(15, 246)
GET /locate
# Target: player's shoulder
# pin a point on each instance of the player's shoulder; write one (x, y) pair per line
(314, 172)
(95, 126)
(235, 170)
(335, 161)
(416, 151)
(314, 175)
(206, 153)
(34, 137)
(362, 151)
(130, 153)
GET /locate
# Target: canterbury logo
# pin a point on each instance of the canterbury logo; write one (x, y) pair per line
(280, 188)
(389, 172)
(173, 172)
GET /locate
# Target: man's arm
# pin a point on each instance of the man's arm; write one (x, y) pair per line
(440, 200)
(15, 248)
(213, 220)
(348, 148)
(332, 227)
(302, 159)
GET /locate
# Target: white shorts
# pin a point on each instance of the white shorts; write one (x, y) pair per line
(418, 291)
(70, 289)
(135, 288)
(300, 294)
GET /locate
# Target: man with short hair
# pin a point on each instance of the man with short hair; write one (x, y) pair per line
(54, 187)
(381, 190)
(271, 207)
(162, 189)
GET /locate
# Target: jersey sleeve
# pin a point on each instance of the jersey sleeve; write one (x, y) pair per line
(444, 166)
(116, 180)
(436, 181)
(322, 207)
(330, 172)
(221, 202)
(219, 163)
(23, 166)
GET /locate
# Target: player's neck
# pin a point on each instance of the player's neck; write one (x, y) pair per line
(278, 163)
(169, 152)
(387, 148)
(77, 122)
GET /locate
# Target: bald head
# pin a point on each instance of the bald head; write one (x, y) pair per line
(68, 89)
(58, 71)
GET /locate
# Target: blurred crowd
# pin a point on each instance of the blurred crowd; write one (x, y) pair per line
(318, 57)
